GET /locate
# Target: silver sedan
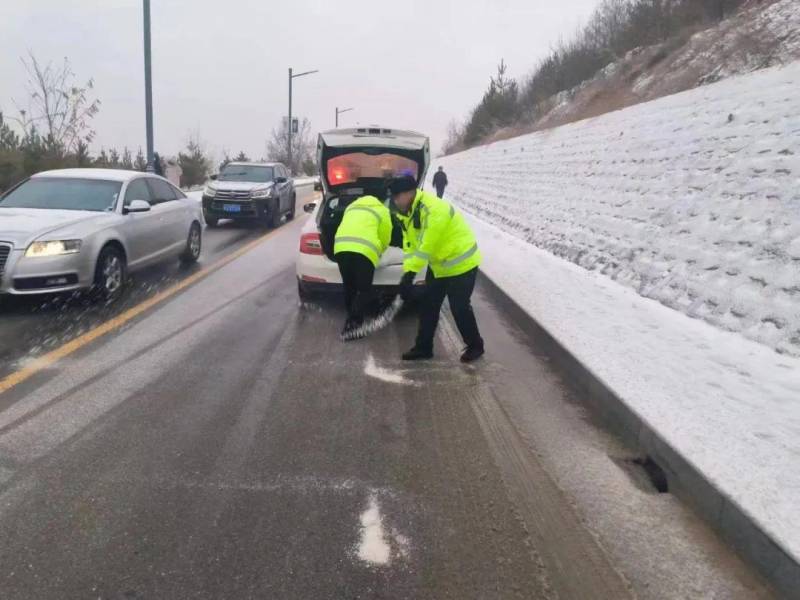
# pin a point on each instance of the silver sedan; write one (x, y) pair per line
(88, 228)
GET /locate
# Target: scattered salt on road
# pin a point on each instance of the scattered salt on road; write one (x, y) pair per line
(371, 369)
(373, 547)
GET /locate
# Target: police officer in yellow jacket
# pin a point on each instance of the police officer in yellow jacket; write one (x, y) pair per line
(362, 237)
(437, 235)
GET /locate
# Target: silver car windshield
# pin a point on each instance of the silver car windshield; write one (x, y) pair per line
(250, 174)
(64, 194)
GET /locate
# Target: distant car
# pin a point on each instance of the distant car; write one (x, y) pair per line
(261, 192)
(352, 163)
(317, 184)
(88, 228)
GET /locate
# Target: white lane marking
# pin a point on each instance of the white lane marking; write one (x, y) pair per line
(371, 369)
(373, 548)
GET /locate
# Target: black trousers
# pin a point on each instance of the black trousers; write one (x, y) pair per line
(440, 192)
(357, 273)
(458, 291)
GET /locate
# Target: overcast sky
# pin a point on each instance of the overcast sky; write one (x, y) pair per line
(220, 66)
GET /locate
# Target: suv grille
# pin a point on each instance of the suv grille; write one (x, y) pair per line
(5, 250)
(232, 195)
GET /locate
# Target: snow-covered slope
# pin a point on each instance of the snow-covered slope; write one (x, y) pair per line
(692, 200)
(761, 35)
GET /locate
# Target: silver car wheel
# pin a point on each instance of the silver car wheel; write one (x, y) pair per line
(194, 242)
(112, 274)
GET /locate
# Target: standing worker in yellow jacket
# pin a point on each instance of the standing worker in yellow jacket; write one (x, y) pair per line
(362, 237)
(437, 235)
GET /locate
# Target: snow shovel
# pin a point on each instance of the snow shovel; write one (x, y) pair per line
(377, 323)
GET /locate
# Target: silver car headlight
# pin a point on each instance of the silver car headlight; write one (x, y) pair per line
(210, 192)
(259, 194)
(53, 248)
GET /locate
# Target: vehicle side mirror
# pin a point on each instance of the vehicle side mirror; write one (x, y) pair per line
(214, 177)
(280, 180)
(309, 208)
(137, 206)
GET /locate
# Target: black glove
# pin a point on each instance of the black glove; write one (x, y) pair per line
(407, 286)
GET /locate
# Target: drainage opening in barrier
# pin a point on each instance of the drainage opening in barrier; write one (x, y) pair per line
(654, 473)
(645, 473)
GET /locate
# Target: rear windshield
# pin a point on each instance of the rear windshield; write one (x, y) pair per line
(64, 194)
(349, 168)
(250, 174)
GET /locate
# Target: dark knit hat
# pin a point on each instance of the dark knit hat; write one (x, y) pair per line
(406, 183)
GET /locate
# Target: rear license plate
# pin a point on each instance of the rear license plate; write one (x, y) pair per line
(232, 208)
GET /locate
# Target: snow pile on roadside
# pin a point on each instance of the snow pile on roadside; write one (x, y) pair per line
(727, 405)
(692, 200)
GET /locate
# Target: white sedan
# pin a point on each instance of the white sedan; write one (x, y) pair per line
(316, 273)
(87, 228)
(352, 163)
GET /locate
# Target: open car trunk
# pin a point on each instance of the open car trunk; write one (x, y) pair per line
(358, 162)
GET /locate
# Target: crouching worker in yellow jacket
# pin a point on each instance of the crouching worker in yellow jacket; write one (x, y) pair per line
(437, 235)
(362, 237)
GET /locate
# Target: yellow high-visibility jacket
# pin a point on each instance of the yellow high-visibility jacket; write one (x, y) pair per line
(436, 234)
(366, 228)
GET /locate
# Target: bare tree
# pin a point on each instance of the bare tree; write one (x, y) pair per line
(58, 108)
(302, 145)
(454, 141)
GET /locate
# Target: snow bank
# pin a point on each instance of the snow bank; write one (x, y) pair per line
(692, 200)
(727, 405)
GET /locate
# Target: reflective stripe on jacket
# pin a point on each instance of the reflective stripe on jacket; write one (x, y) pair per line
(366, 228)
(437, 234)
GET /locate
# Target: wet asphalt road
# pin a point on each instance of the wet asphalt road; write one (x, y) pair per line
(226, 444)
(35, 324)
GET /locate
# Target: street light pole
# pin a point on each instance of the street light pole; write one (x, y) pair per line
(289, 124)
(291, 77)
(339, 112)
(148, 89)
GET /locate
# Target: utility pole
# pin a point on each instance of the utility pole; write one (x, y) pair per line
(148, 88)
(290, 124)
(339, 112)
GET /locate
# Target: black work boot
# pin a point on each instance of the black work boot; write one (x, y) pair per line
(472, 353)
(418, 354)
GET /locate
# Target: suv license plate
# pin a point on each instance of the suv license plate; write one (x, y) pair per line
(232, 208)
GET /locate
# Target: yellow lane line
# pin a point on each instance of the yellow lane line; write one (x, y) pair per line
(79, 342)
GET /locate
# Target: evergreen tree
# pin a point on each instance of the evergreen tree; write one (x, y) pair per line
(242, 157)
(9, 140)
(82, 156)
(194, 164)
(113, 159)
(140, 164)
(127, 160)
(102, 160)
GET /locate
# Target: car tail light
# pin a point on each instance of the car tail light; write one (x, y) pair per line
(311, 244)
(311, 279)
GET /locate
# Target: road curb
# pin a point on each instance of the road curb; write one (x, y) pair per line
(688, 483)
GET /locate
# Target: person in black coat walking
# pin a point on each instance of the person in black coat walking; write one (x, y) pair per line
(440, 181)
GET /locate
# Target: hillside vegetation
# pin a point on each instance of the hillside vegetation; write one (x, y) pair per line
(633, 51)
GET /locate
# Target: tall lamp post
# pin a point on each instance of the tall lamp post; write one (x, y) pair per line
(293, 76)
(148, 89)
(341, 111)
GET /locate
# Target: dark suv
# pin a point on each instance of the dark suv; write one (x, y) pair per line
(262, 192)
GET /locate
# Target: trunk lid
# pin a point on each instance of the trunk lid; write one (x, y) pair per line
(360, 161)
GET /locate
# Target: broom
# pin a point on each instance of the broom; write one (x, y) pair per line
(377, 323)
